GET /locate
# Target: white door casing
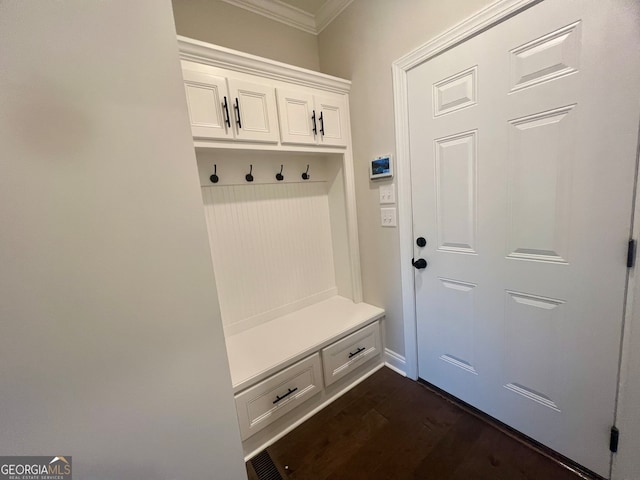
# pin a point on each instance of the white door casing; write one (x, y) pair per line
(522, 164)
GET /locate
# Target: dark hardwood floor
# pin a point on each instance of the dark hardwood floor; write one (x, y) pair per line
(390, 427)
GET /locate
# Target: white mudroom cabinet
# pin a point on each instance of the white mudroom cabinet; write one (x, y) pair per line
(273, 147)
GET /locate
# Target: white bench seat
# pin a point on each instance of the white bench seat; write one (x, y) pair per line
(259, 352)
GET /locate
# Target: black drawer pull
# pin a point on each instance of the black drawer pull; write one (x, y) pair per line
(359, 350)
(285, 395)
(227, 119)
(237, 109)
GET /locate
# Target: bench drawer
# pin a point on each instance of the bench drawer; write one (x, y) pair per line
(270, 399)
(340, 358)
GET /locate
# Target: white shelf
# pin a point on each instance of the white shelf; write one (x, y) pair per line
(256, 353)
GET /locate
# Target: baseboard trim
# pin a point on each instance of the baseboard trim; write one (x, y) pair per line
(529, 442)
(395, 362)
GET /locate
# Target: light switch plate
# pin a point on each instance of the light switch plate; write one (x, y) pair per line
(388, 217)
(387, 194)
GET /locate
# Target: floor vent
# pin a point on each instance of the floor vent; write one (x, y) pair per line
(264, 467)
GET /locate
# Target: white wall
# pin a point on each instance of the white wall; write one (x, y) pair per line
(220, 23)
(360, 45)
(111, 348)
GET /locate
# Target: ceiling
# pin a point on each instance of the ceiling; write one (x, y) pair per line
(311, 16)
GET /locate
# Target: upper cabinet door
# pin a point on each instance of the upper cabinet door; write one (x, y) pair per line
(254, 111)
(298, 121)
(331, 118)
(207, 96)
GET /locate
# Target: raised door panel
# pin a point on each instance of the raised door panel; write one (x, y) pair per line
(456, 185)
(332, 125)
(298, 123)
(254, 108)
(533, 330)
(207, 96)
(541, 152)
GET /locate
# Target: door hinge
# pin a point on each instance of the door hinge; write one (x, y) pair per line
(613, 439)
(631, 253)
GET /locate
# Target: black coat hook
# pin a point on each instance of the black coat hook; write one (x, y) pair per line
(279, 176)
(248, 176)
(214, 178)
(305, 175)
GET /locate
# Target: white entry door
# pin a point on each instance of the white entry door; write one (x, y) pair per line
(523, 156)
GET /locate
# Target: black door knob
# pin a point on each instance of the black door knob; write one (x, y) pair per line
(421, 241)
(419, 264)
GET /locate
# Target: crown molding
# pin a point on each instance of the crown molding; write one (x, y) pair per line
(228, 59)
(328, 12)
(292, 16)
(280, 12)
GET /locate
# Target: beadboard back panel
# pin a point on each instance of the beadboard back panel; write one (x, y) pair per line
(271, 247)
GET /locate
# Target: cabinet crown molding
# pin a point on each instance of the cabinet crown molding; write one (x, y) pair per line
(226, 58)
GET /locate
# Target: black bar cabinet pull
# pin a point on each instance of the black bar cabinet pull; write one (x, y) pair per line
(278, 398)
(321, 124)
(227, 120)
(237, 109)
(315, 128)
(359, 350)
